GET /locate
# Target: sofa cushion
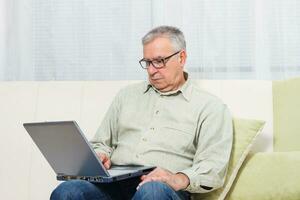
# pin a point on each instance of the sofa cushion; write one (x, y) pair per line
(268, 175)
(286, 109)
(244, 133)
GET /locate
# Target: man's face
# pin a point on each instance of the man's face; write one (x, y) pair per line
(171, 76)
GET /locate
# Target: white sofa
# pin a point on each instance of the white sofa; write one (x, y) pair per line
(25, 173)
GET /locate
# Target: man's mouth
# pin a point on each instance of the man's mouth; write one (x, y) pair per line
(155, 78)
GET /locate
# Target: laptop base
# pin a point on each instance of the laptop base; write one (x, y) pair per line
(101, 179)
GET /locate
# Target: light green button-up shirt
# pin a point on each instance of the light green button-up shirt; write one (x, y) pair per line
(187, 130)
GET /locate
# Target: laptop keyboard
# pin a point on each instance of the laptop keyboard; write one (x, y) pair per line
(119, 170)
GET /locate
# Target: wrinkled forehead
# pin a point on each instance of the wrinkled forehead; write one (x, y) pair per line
(159, 47)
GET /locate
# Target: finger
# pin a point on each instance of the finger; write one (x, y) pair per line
(158, 178)
(101, 156)
(143, 177)
(105, 158)
(107, 164)
(150, 179)
(143, 182)
(153, 172)
(148, 175)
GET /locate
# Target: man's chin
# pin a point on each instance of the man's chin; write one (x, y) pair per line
(158, 85)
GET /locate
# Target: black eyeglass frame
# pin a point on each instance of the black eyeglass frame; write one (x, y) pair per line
(163, 60)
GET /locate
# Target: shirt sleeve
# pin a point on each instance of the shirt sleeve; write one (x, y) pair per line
(106, 135)
(213, 149)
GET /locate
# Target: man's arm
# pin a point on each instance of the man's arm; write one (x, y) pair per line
(209, 167)
(105, 137)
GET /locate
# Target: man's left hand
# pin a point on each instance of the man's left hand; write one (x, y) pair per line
(176, 181)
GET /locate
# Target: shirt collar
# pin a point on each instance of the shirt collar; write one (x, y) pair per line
(185, 89)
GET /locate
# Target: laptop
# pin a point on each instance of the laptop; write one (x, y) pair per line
(71, 156)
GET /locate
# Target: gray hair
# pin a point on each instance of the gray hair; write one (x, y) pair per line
(174, 34)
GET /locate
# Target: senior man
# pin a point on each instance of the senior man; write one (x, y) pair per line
(166, 122)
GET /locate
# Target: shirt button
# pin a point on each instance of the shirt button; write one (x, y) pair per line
(144, 139)
(157, 112)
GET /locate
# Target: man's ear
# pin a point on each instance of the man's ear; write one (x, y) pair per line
(182, 57)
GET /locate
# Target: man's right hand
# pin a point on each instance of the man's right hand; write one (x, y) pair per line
(105, 160)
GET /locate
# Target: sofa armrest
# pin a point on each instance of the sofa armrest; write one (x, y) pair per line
(268, 175)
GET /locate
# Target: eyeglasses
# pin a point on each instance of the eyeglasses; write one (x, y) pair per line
(157, 63)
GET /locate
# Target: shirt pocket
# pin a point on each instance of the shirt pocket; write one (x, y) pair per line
(175, 138)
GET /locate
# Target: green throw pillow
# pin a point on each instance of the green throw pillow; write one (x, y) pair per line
(268, 175)
(244, 134)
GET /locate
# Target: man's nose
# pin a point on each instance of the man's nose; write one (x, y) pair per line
(152, 69)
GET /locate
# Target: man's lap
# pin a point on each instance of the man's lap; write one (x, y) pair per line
(83, 190)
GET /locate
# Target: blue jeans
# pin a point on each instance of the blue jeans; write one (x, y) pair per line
(83, 190)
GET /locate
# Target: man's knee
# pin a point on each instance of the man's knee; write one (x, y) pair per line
(154, 190)
(75, 190)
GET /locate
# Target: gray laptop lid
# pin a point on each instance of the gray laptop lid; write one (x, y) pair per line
(65, 148)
